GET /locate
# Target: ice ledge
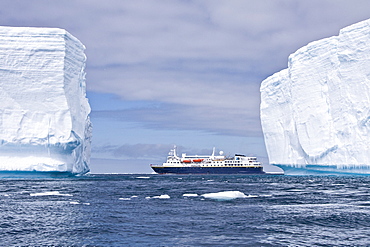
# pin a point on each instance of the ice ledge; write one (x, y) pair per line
(34, 175)
(340, 170)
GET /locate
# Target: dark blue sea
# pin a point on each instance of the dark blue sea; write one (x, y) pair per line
(186, 210)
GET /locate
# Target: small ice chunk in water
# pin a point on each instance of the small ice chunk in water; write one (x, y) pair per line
(162, 197)
(225, 195)
(127, 198)
(124, 199)
(158, 197)
(49, 193)
(190, 195)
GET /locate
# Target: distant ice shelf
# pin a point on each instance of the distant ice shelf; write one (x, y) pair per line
(317, 111)
(44, 112)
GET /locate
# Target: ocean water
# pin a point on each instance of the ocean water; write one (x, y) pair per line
(186, 210)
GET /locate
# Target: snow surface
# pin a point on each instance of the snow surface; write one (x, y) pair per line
(44, 112)
(317, 111)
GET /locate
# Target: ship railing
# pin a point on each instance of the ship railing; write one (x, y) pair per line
(156, 165)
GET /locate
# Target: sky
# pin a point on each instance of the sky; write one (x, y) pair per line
(181, 72)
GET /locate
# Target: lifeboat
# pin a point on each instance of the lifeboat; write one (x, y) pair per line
(186, 161)
(197, 160)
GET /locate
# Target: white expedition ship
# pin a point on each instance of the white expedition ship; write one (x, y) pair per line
(205, 164)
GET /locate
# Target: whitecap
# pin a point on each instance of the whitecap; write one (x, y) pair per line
(49, 193)
(143, 177)
(74, 203)
(225, 195)
(190, 195)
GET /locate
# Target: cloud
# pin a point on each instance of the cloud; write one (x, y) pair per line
(135, 150)
(146, 150)
(198, 53)
(238, 121)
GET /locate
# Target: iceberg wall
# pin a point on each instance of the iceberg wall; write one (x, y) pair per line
(317, 111)
(44, 112)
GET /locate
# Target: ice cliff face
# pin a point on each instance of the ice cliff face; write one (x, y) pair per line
(317, 111)
(44, 113)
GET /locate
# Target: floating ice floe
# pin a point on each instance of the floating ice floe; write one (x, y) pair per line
(158, 197)
(225, 195)
(49, 193)
(190, 195)
(261, 196)
(127, 198)
(76, 203)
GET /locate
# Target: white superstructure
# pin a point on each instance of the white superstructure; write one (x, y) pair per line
(239, 160)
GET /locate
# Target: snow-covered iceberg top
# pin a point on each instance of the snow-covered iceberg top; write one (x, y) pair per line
(317, 111)
(44, 112)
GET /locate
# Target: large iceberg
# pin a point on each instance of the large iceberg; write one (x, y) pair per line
(317, 111)
(44, 112)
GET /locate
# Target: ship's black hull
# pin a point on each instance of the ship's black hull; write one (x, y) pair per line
(208, 170)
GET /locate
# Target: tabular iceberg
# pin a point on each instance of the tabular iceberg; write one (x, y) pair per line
(44, 112)
(317, 111)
